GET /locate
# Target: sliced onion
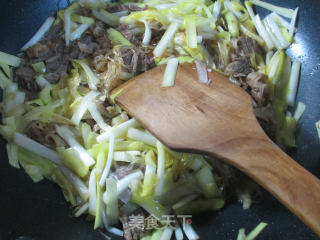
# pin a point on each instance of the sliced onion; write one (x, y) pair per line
(178, 233)
(216, 9)
(301, 107)
(230, 7)
(147, 33)
(284, 22)
(121, 13)
(263, 33)
(97, 117)
(189, 231)
(82, 210)
(86, 101)
(293, 22)
(40, 33)
(78, 32)
(109, 162)
(123, 183)
(293, 83)
(67, 26)
(92, 193)
(36, 148)
(76, 182)
(113, 230)
(169, 75)
(276, 31)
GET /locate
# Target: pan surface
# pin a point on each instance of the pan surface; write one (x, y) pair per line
(31, 211)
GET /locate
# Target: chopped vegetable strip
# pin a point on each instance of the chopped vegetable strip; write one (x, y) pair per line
(161, 168)
(255, 232)
(191, 31)
(293, 83)
(9, 59)
(170, 73)
(280, 10)
(68, 136)
(109, 162)
(86, 101)
(165, 40)
(36, 148)
(40, 33)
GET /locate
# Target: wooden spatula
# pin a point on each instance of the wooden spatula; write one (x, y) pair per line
(218, 120)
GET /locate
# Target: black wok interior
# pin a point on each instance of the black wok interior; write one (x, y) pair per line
(31, 211)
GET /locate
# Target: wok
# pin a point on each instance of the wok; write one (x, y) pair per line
(31, 211)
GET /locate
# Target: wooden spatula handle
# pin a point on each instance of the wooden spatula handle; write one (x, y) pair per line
(279, 174)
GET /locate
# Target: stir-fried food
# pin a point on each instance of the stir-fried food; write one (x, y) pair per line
(61, 122)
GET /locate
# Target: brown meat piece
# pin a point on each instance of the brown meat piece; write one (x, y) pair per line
(135, 62)
(53, 63)
(52, 78)
(99, 31)
(144, 63)
(44, 134)
(264, 113)
(56, 55)
(57, 67)
(25, 78)
(73, 51)
(244, 46)
(240, 67)
(125, 7)
(55, 32)
(266, 118)
(39, 51)
(58, 64)
(128, 34)
(259, 88)
(87, 49)
(122, 170)
(87, 45)
(83, 11)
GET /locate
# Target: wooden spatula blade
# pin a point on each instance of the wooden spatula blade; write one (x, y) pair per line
(191, 114)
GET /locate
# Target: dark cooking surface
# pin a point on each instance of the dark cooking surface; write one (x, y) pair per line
(31, 211)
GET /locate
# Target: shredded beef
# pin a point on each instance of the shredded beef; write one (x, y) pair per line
(56, 56)
(123, 170)
(259, 88)
(83, 11)
(135, 62)
(244, 46)
(52, 77)
(264, 113)
(45, 135)
(39, 51)
(25, 78)
(266, 118)
(87, 45)
(240, 67)
(99, 31)
(126, 7)
(57, 67)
